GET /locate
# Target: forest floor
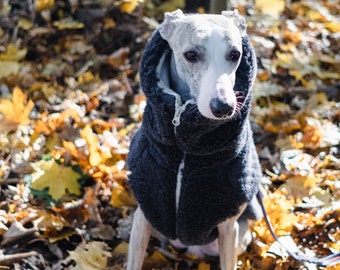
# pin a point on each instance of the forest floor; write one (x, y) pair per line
(70, 103)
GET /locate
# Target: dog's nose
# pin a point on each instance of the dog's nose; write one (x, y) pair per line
(220, 109)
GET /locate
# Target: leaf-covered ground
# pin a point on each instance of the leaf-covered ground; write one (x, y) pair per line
(70, 104)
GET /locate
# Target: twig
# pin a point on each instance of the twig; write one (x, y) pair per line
(15, 258)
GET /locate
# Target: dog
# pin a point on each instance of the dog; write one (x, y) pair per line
(194, 168)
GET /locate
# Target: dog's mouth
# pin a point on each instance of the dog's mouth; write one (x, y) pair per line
(224, 110)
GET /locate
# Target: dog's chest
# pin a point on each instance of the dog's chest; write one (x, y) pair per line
(179, 182)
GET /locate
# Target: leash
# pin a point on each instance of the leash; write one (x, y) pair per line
(298, 255)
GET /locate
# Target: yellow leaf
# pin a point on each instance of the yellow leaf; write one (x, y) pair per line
(203, 266)
(44, 4)
(120, 197)
(156, 261)
(57, 178)
(171, 5)
(8, 67)
(17, 110)
(128, 6)
(68, 24)
(273, 7)
(92, 257)
(92, 142)
(121, 249)
(109, 23)
(279, 211)
(25, 24)
(333, 26)
(13, 53)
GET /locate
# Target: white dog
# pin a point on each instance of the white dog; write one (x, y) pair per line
(201, 73)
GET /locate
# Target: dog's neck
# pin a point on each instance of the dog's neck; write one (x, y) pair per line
(176, 83)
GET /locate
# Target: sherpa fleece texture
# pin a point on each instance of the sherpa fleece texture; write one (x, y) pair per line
(221, 169)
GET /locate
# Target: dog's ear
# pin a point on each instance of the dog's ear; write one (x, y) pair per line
(167, 27)
(239, 21)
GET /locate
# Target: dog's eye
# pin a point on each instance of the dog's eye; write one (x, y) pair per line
(234, 56)
(191, 56)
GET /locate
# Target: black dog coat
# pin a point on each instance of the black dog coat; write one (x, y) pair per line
(217, 159)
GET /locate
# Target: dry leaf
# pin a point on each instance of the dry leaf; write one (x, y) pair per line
(333, 26)
(273, 7)
(92, 257)
(8, 67)
(18, 109)
(44, 4)
(13, 53)
(278, 208)
(57, 178)
(128, 6)
(92, 142)
(121, 197)
(68, 24)
(300, 186)
(156, 261)
(203, 266)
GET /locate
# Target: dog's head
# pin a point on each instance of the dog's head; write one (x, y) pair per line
(207, 50)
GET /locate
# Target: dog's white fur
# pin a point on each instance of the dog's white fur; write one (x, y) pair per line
(211, 40)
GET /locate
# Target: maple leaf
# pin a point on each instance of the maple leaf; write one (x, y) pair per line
(57, 178)
(17, 110)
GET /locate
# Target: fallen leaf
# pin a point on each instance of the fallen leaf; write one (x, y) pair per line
(13, 53)
(278, 208)
(68, 24)
(203, 266)
(156, 261)
(44, 4)
(56, 178)
(278, 250)
(300, 186)
(121, 249)
(128, 6)
(273, 7)
(121, 197)
(8, 67)
(333, 26)
(92, 142)
(18, 109)
(93, 256)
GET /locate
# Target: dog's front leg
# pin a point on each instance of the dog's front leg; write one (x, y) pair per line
(139, 239)
(228, 241)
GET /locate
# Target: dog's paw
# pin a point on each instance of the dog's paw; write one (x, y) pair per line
(239, 21)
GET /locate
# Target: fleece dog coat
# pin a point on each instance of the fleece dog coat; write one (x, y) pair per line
(217, 159)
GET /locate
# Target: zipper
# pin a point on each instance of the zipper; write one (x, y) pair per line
(179, 106)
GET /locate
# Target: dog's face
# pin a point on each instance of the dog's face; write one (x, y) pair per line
(207, 51)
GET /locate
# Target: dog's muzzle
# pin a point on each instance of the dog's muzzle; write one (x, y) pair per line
(220, 109)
